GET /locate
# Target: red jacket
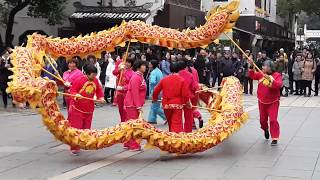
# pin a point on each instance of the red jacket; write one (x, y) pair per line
(195, 74)
(86, 89)
(267, 95)
(190, 81)
(136, 94)
(174, 92)
(125, 77)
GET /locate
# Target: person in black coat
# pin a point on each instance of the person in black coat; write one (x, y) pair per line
(200, 66)
(226, 66)
(5, 64)
(317, 77)
(103, 62)
(290, 73)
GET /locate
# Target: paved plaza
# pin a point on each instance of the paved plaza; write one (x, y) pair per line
(28, 150)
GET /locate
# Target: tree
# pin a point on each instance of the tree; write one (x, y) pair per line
(311, 7)
(52, 10)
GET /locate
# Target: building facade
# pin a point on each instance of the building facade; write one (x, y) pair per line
(259, 26)
(85, 16)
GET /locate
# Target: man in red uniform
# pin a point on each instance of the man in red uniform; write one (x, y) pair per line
(135, 99)
(174, 95)
(192, 88)
(125, 72)
(81, 110)
(269, 87)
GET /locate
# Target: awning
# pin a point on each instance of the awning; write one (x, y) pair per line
(102, 13)
(109, 16)
(241, 30)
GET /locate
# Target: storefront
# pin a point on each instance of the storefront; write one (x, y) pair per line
(259, 34)
(180, 15)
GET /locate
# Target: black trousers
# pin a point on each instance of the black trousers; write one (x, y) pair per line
(316, 85)
(248, 85)
(306, 84)
(109, 92)
(299, 87)
(291, 83)
(4, 96)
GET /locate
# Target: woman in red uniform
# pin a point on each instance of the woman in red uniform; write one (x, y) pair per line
(135, 99)
(269, 87)
(192, 88)
(195, 97)
(123, 70)
(81, 110)
(174, 97)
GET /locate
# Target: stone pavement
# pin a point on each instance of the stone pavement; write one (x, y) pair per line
(28, 151)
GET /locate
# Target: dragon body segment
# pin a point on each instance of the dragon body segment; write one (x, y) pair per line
(41, 93)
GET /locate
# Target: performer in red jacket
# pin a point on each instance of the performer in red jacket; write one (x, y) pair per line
(192, 88)
(135, 99)
(195, 98)
(175, 93)
(81, 110)
(268, 91)
(126, 70)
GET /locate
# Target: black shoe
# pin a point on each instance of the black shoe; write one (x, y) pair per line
(316, 95)
(266, 134)
(200, 123)
(152, 122)
(274, 143)
(286, 95)
(194, 127)
(296, 94)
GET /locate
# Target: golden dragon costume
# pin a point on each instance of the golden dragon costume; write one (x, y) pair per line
(28, 86)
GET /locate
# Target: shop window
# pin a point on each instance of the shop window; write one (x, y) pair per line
(258, 3)
(269, 6)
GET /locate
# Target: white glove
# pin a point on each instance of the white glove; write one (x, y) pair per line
(67, 84)
(119, 88)
(121, 66)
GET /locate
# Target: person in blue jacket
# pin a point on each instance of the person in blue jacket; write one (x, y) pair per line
(154, 79)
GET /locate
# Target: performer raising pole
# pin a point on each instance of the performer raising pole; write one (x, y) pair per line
(270, 83)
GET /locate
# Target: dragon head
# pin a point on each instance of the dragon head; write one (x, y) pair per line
(231, 8)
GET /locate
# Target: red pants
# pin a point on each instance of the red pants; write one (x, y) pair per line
(270, 111)
(132, 114)
(79, 120)
(188, 119)
(122, 112)
(174, 118)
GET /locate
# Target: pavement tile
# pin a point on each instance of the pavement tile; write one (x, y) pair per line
(158, 172)
(254, 163)
(301, 152)
(316, 175)
(137, 177)
(296, 163)
(282, 178)
(101, 175)
(290, 173)
(245, 173)
(201, 172)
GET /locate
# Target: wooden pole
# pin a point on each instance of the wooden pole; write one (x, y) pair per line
(58, 78)
(254, 64)
(124, 61)
(208, 89)
(54, 68)
(82, 97)
(216, 110)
